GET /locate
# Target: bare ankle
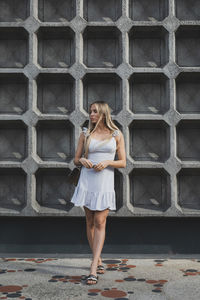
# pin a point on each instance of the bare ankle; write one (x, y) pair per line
(93, 264)
(93, 269)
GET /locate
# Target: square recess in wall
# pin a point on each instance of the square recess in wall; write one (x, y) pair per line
(188, 10)
(95, 10)
(13, 47)
(143, 10)
(188, 188)
(188, 93)
(103, 87)
(55, 140)
(118, 183)
(56, 11)
(149, 140)
(150, 189)
(188, 46)
(55, 47)
(12, 189)
(148, 46)
(149, 93)
(14, 10)
(13, 140)
(102, 47)
(188, 142)
(55, 93)
(13, 93)
(52, 189)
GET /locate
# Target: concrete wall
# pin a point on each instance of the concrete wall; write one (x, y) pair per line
(143, 58)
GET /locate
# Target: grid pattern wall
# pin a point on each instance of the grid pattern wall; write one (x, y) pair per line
(143, 58)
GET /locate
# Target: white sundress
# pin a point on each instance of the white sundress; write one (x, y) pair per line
(95, 189)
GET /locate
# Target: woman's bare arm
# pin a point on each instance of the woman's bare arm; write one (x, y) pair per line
(121, 162)
(78, 160)
(79, 149)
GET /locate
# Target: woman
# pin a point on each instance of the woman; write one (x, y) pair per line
(95, 188)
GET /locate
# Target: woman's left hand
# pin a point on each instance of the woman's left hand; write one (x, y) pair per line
(102, 165)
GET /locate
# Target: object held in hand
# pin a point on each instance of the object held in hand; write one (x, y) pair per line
(74, 175)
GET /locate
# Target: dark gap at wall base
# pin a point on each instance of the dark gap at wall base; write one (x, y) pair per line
(123, 235)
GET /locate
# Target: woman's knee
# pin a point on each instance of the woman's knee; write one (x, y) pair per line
(100, 222)
(100, 218)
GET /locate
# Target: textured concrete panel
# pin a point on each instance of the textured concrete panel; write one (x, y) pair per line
(12, 189)
(149, 140)
(13, 47)
(55, 93)
(106, 87)
(188, 93)
(52, 190)
(13, 141)
(140, 10)
(102, 47)
(188, 10)
(149, 93)
(150, 189)
(148, 46)
(54, 140)
(95, 10)
(56, 11)
(55, 47)
(14, 10)
(188, 143)
(143, 58)
(189, 188)
(13, 93)
(188, 41)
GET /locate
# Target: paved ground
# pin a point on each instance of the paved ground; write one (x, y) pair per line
(62, 278)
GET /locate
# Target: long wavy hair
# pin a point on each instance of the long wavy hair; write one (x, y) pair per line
(104, 111)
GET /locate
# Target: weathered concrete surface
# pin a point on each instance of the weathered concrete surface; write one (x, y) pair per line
(62, 278)
(57, 57)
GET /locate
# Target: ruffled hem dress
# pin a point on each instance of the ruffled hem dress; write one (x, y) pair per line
(95, 189)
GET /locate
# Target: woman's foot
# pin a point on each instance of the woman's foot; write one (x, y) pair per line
(92, 279)
(100, 269)
(93, 269)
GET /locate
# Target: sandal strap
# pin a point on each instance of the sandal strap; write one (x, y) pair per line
(100, 267)
(92, 277)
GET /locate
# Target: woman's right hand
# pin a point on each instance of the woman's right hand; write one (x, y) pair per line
(86, 162)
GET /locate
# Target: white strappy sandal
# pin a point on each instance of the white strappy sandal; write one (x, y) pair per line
(93, 278)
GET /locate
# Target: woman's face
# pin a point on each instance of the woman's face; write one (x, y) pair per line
(94, 115)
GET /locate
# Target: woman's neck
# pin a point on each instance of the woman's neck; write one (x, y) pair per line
(102, 128)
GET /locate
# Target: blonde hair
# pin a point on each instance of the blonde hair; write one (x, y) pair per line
(104, 110)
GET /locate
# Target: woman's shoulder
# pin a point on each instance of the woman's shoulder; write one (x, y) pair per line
(84, 130)
(116, 132)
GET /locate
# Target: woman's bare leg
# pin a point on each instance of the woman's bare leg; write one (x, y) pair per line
(90, 228)
(89, 225)
(99, 238)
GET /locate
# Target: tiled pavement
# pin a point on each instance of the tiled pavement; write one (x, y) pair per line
(62, 278)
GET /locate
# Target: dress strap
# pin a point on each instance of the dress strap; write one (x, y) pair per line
(84, 130)
(115, 133)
